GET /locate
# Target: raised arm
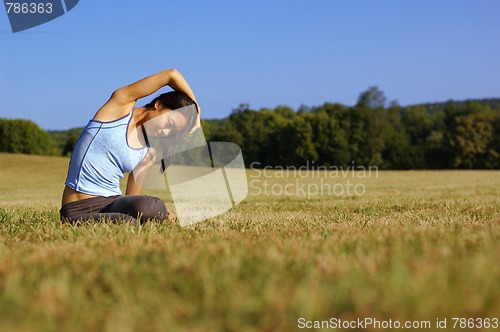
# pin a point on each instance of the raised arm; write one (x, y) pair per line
(151, 84)
(123, 99)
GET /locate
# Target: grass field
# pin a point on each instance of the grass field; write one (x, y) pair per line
(416, 245)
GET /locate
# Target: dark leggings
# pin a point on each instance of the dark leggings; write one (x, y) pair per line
(128, 208)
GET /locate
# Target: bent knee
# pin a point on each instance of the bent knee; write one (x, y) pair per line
(151, 207)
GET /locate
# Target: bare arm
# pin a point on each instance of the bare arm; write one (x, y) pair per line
(137, 177)
(123, 99)
(151, 84)
(132, 187)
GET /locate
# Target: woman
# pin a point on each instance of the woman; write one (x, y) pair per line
(113, 143)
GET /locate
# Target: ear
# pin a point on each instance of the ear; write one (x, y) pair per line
(158, 105)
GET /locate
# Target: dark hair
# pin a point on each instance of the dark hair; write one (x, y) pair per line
(172, 100)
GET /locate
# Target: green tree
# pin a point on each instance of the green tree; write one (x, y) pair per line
(227, 133)
(330, 125)
(294, 144)
(396, 142)
(472, 135)
(495, 142)
(367, 126)
(69, 146)
(372, 98)
(257, 128)
(24, 136)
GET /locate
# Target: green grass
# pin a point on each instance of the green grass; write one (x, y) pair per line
(416, 246)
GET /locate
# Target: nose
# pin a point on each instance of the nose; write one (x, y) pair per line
(163, 132)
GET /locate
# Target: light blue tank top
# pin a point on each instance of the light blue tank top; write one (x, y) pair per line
(101, 156)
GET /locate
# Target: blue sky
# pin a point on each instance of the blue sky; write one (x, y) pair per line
(265, 53)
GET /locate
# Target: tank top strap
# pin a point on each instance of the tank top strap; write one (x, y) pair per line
(124, 120)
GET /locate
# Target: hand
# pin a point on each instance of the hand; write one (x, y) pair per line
(197, 124)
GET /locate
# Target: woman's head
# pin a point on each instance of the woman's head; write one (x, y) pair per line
(170, 116)
(169, 119)
(171, 100)
(169, 113)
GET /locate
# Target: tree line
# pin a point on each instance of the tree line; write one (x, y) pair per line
(450, 135)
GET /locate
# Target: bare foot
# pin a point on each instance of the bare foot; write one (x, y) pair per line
(171, 216)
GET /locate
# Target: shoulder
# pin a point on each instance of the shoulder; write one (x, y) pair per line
(113, 109)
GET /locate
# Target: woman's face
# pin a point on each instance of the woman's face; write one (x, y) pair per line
(164, 121)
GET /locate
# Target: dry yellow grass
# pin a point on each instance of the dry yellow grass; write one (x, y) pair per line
(416, 246)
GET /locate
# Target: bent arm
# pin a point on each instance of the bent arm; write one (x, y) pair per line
(124, 98)
(137, 177)
(133, 188)
(151, 84)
